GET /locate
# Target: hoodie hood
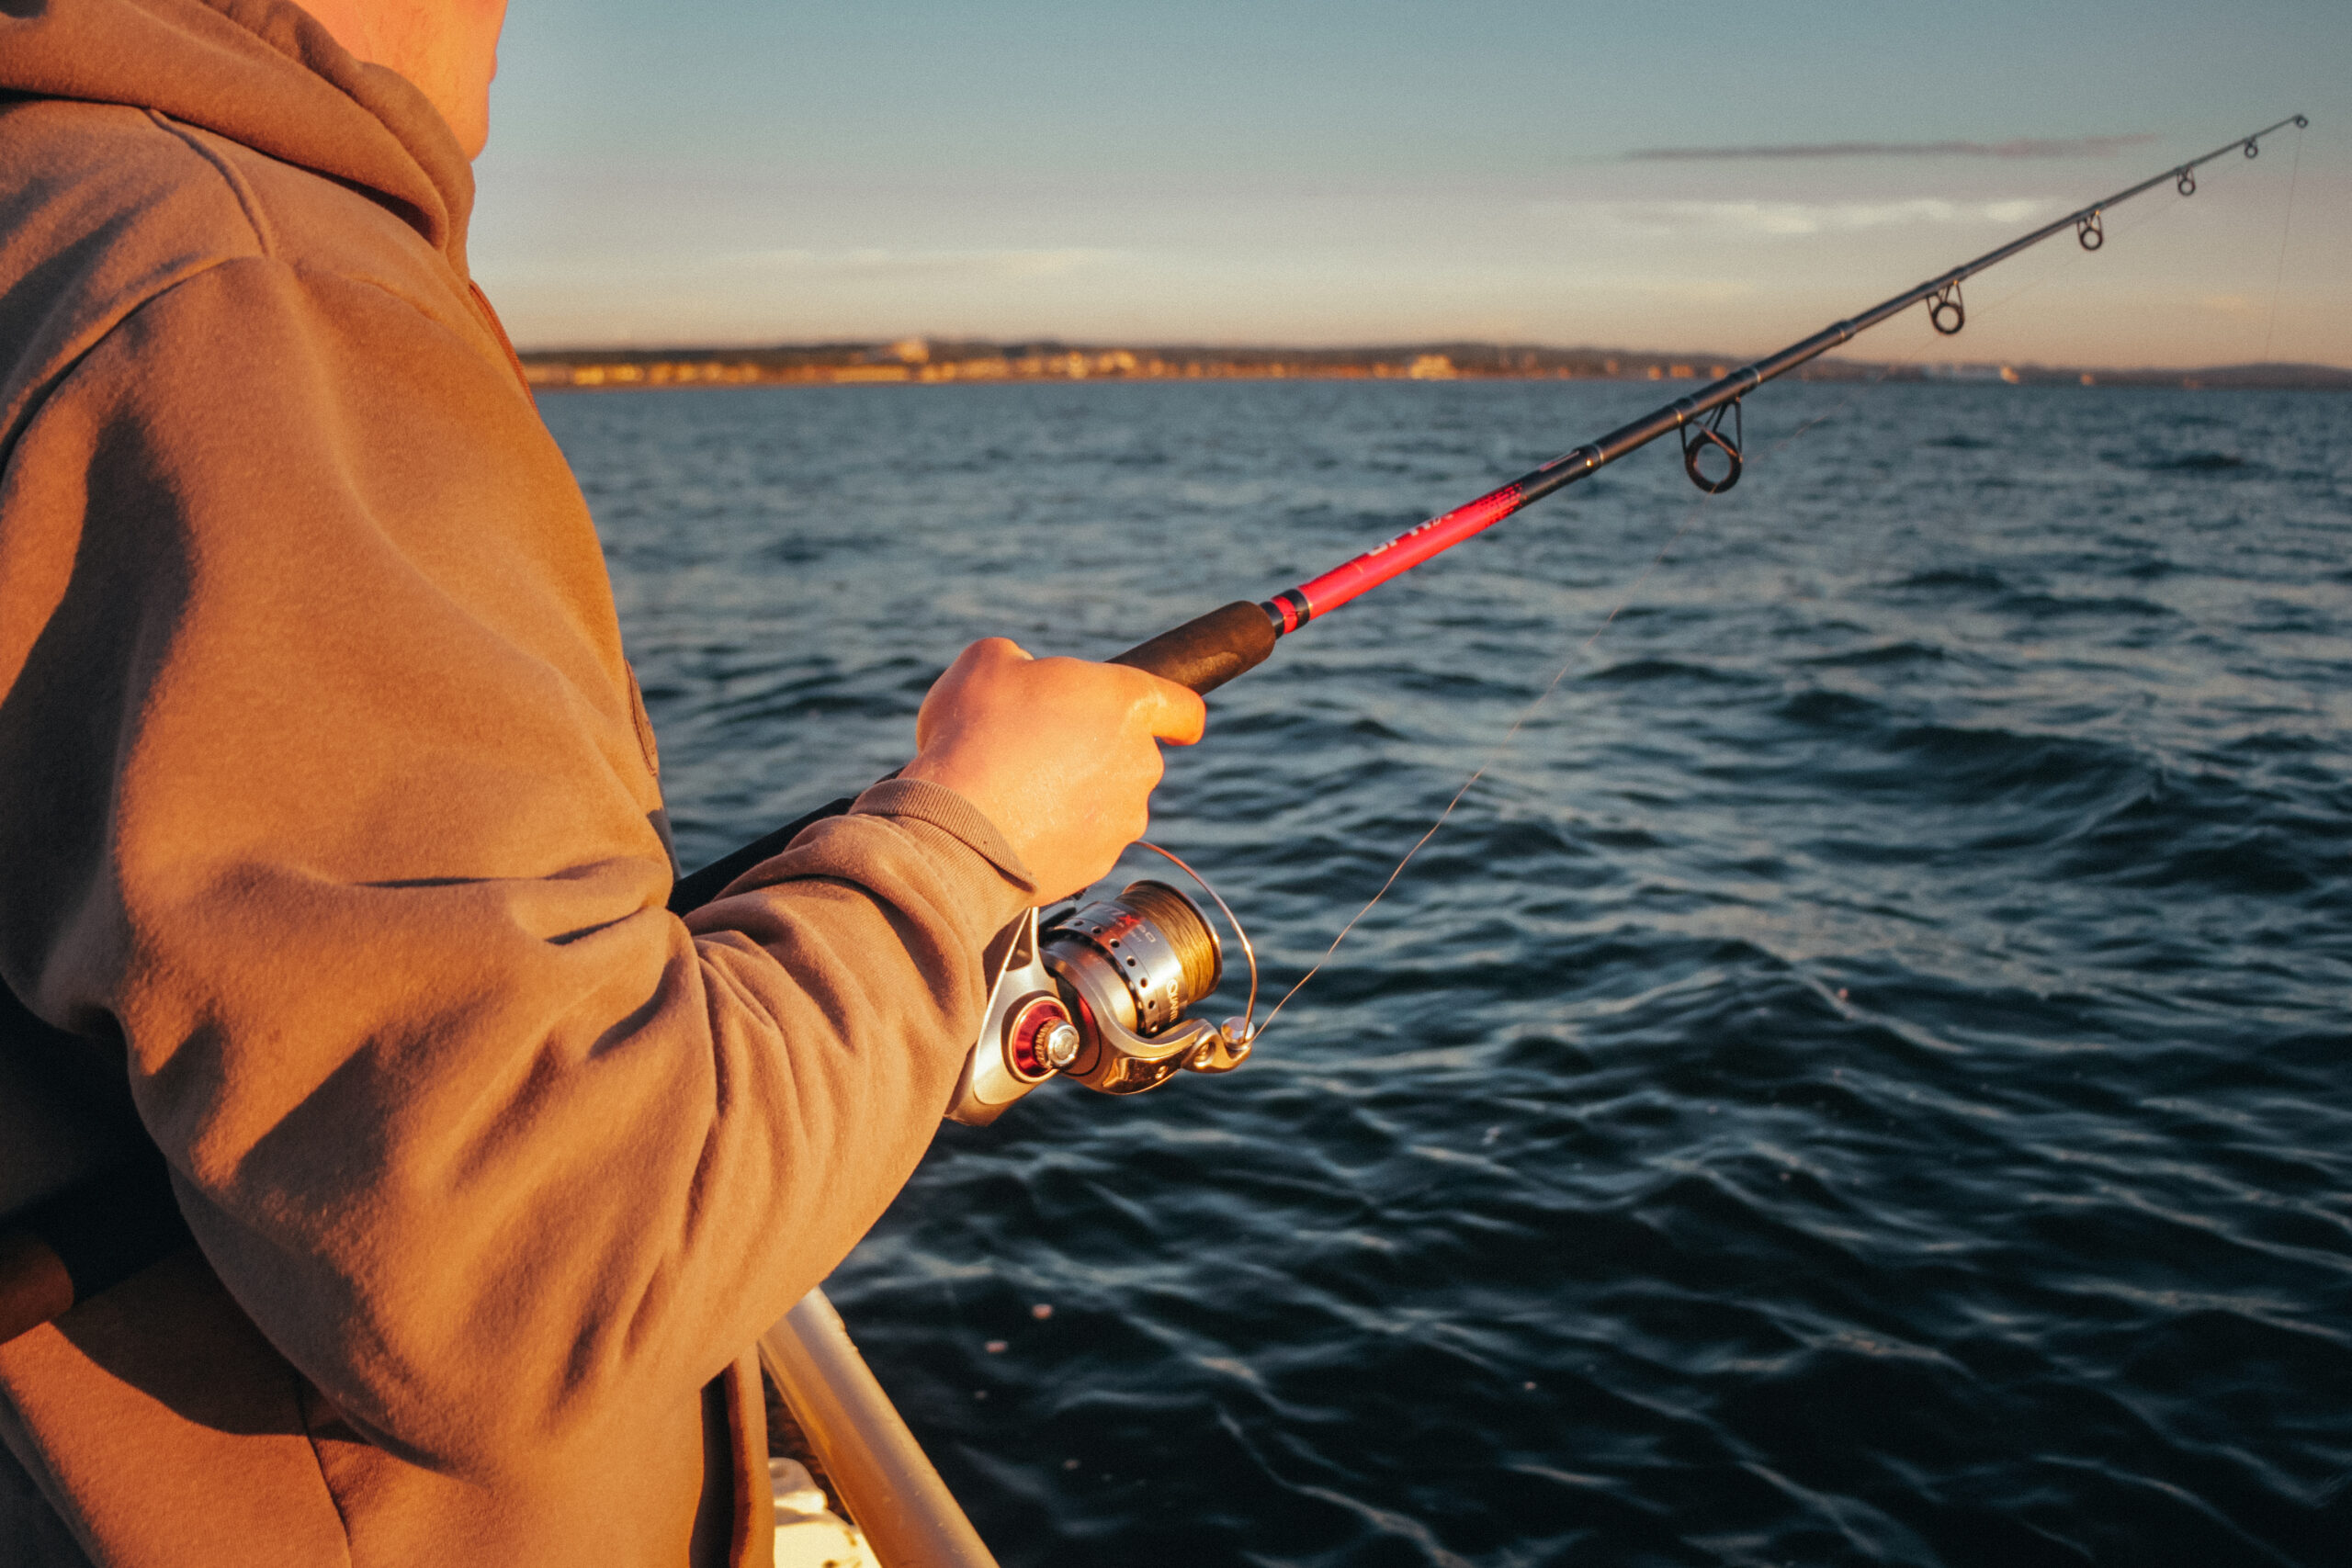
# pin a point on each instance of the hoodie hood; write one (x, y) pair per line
(261, 72)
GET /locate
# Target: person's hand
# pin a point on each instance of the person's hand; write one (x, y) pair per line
(1061, 755)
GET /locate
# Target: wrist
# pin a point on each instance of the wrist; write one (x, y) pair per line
(969, 810)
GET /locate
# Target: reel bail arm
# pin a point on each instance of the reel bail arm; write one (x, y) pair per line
(1101, 995)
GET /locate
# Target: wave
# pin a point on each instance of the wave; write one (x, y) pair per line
(1971, 580)
(2197, 463)
(1634, 671)
(1884, 654)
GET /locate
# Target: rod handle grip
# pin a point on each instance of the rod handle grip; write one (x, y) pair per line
(1207, 650)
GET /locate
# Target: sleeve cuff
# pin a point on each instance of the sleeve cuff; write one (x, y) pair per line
(920, 800)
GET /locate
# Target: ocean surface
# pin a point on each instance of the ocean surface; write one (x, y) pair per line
(1865, 1077)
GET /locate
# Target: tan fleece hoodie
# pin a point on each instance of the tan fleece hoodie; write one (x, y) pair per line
(325, 824)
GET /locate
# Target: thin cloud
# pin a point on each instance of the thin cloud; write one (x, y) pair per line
(879, 264)
(1793, 218)
(2021, 147)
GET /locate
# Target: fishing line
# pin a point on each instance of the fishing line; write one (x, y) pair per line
(1583, 649)
(1492, 757)
(1690, 518)
(2286, 226)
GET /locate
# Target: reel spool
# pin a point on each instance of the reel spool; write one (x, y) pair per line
(1101, 996)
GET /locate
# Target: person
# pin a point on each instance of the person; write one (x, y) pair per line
(334, 849)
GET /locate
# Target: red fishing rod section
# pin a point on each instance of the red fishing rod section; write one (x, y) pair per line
(1206, 653)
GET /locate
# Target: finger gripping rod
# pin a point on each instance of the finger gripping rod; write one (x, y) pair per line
(1208, 650)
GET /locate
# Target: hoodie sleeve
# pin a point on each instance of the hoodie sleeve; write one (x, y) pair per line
(325, 797)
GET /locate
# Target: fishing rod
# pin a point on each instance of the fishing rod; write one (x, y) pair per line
(1205, 652)
(1102, 993)
(1057, 1006)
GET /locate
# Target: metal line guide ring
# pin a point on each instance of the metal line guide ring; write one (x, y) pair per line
(1698, 440)
(2090, 231)
(2188, 181)
(1946, 301)
(2254, 143)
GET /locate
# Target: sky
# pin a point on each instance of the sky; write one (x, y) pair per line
(1262, 171)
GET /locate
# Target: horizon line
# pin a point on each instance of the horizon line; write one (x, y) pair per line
(928, 344)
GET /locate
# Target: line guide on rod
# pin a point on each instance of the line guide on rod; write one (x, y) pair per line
(1206, 653)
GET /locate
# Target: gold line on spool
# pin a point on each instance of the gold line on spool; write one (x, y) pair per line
(1197, 952)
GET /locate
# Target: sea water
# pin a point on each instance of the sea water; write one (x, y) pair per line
(1863, 1077)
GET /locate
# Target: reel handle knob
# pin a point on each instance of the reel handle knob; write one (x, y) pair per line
(1207, 650)
(1057, 1044)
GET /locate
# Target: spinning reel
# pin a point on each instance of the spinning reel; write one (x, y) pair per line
(1099, 995)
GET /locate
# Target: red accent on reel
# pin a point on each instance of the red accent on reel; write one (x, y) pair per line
(1021, 1037)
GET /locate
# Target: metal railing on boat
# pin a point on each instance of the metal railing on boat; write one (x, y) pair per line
(907, 1514)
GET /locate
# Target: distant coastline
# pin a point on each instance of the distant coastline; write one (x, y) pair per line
(923, 361)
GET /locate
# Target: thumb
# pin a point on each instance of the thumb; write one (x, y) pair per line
(1181, 716)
